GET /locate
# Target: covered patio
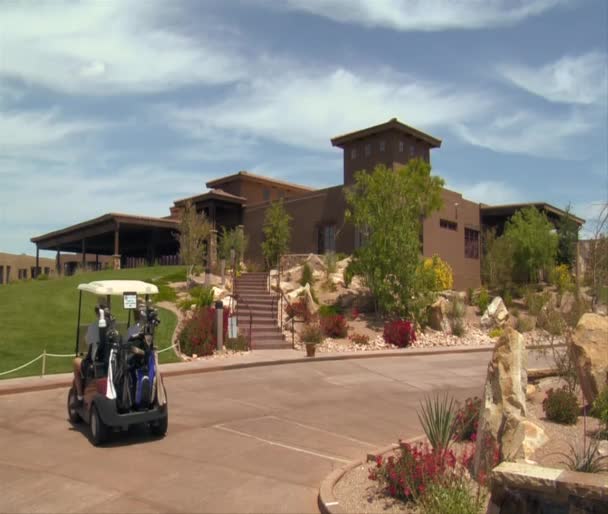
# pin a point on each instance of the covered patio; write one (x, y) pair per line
(125, 237)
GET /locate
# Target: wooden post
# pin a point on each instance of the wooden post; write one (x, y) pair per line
(116, 256)
(96, 262)
(58, 262)
(37, 271)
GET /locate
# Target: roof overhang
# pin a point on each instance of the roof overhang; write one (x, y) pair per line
(214, 194)
(118, 287)
(251, 177)
(510, 209)
(393, 124)
(65, 238)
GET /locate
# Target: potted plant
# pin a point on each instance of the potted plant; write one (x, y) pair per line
(311, 336)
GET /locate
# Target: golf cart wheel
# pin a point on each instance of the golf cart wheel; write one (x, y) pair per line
(159, 428)
(73, 415)
(99, 431)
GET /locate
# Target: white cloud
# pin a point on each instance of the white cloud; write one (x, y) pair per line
(423, 15)
(491, 192)
(579, 79)
(108, 47)
(305, 108)
(528, 133)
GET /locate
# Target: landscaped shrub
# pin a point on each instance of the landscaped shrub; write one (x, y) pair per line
(298, 310)
(600, 409)
(452, 494)
(551, 320)
(467, 420)
(42, 276)
(348, 273)
(311, 333)
(524, 324)
(496, 332)
(586, 458)
(444, 278)
(469, 296)
(437, 417)
(561, 278)
(456, 317)
(198, 335)
(535, 302)
(360, 339)
(328, 310)
(407, 475)
(237, 344)
(334, 326)
(507, 298)
(483, 300)
(399, 332)
(202, 296)
(561, 406)
(307, 277)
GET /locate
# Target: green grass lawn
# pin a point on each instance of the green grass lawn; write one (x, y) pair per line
(39, 314)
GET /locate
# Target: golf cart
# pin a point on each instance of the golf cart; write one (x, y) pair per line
(121, 383)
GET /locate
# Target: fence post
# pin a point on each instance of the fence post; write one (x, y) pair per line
(43, 362)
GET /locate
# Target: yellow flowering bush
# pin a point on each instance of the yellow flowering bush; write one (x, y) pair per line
(561, 278)
(444, 278)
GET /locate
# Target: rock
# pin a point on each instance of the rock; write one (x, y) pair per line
(311, 306)
(503, 423)
(496, 314)
(530, 391)
(567, 303)
(437, 315)
(603, 448)
(315, 262)
(589, 348)
(298, 292)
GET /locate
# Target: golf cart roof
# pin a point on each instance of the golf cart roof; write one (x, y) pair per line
(118, 287)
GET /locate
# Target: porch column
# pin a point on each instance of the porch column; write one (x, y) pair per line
(37, 271)
(58, 262)
(96, 262)
(116, 256)
(83, 251)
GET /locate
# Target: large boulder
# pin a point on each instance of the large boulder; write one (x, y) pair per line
(502, 425)
(437, 315)
(316, 263)
(496, 314)
(589, 348)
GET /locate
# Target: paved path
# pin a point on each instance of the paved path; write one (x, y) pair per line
(247, 440)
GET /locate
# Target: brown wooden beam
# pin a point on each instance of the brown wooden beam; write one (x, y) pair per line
(36, 272)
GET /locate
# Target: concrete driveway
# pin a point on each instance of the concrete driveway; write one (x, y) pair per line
(249, 440)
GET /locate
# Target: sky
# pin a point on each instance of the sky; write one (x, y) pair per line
(126, 106)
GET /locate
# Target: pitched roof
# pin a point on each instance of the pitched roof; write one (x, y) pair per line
(392, 124)
(214, 194)
(245, 175)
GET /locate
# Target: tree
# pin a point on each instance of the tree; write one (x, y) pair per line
(234, 239)
(597, 257)
(277, 233)
(388, 207)
(567, 234)
(194, 231)
(533, 243)
(497, 262)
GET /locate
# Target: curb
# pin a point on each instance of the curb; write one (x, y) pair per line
(39, 385)
(326, 501)
(58, 383)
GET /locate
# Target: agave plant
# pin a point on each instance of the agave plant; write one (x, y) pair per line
(437, 416)
(586, 459)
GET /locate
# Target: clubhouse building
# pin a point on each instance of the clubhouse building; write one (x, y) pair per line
(318, 215)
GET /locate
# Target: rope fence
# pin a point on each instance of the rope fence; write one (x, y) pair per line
(44, 356)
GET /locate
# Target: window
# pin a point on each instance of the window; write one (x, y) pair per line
(412, 150)
(282, 194)
(266, 194)
(47, 271)
(1, 275)
(471, 243)
(353, 153)
(327, 239)
(382, 146)
(401, 146)
(368, 150)
(22, 274)
(449, 225)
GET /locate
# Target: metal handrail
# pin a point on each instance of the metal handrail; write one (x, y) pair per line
(239, 299)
